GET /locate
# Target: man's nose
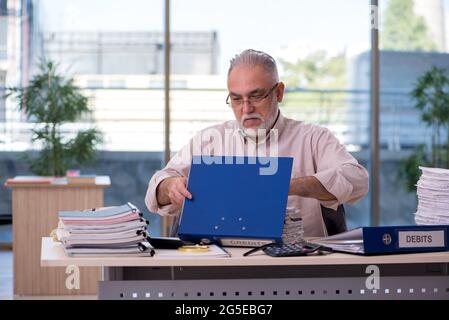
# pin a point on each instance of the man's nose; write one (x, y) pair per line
(247, 107)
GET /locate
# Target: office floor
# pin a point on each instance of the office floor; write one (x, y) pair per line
(6, 280)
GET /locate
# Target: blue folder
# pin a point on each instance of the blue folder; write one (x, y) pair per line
(235, 202)
(389, 240)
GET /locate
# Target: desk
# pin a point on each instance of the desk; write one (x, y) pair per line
(331, 276)
(35, 209)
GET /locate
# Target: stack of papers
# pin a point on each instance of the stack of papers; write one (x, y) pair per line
(350, 241)
(118, 230)
(30, 180)
(293, 228)
(433, 197)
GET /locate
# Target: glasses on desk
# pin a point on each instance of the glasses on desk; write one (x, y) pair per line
(239, 102)
(286, 249)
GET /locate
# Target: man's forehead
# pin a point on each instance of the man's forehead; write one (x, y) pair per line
(244, 91)
(248, 78)
(249, 71)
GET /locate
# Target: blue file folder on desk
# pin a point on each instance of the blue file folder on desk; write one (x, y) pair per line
(389, 240)
(237, 201)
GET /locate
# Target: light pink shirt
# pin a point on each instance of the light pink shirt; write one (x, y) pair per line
(316, 152)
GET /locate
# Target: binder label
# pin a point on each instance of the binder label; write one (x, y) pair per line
(421, 239)
(243, 242)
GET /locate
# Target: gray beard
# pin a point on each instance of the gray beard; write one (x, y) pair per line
(260, 133)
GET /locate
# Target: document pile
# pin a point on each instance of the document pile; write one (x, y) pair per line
(433, 197)
(293, 228)
(116, 231)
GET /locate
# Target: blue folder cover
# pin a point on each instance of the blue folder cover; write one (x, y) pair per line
(233, 200)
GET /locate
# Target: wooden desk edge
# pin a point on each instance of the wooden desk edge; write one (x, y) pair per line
(52, 255)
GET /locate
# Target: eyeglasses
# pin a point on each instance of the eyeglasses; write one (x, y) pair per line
(302, 248)
(238, 102)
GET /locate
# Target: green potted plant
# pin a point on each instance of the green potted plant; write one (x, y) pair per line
(431, 95)
(51, 100)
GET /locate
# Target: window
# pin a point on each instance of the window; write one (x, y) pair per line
(314, 43)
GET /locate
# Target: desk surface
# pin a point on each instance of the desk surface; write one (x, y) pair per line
(53, 255)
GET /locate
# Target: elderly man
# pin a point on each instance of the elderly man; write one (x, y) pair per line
(323, 172)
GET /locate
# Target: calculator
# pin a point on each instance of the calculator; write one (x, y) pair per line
(290, 249)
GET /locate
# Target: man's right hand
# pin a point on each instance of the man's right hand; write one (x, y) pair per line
(172, 190)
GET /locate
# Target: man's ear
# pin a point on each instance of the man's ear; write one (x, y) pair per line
(280, 91)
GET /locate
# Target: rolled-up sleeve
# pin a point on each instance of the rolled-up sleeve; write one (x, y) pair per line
(178, 166)
(338, 171)
(151, 197)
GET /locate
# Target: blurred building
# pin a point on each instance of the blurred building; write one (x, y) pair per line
(16, 43)
(400, 122)
(192, 53)
(122, 73)
(7, 30)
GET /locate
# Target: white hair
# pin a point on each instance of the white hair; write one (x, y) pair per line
(255, 58)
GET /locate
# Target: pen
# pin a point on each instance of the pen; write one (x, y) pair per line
(227, 252)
